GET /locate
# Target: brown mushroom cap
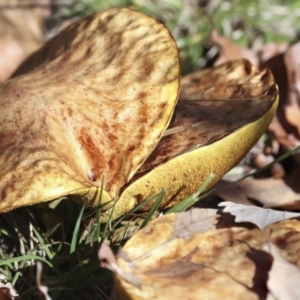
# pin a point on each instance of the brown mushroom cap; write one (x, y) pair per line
(221, 114)
(94, 102)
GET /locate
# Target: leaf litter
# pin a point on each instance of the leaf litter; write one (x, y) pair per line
(226, 255)
(284, 277)
(261, 217)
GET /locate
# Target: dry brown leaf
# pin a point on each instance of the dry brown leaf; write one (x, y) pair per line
(231, 191)
(231, 51)
(291, 60)
(261, 160)
(21, 31)
(292, 179)
(7, 291)
(284, 277)
(268, 51)
(272, 57)
(107, 258)
(261, 217)
(287, 140)
(292, 109)
(109, 261)
(5, 294)
(270, 192)
(224, 263)
(194, 221)
(292, 113)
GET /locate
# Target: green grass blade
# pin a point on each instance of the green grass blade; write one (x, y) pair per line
(154, 208)
(42, 242)
(107, 224)
(98, 236)
(84, 272)
(135, 209)
(125, 232)
(277, 160)
(92, 233)
(76, 231)
(16, 276)
(52, 230)
(22, 258)
(94, 211)
(192, 199)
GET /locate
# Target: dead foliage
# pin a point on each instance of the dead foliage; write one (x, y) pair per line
(205, 254)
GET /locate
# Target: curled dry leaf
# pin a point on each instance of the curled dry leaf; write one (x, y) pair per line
(284, 277)
(95, 102)
(7, 291)
(224, 263)
(261, 217)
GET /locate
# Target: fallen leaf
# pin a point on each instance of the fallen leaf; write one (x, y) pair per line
(232, 191)
(7, 291)
(269, 191)
(224, 263)
(291, 60)
(261, 217)
(292, 109)
(107, 258)
(5, 294)
(194, 221)
(109, 261)
(269, 51)
(261, 160)
(288, 140)
(292, 113)
(272, 57)
(231, 51)
(284, 277)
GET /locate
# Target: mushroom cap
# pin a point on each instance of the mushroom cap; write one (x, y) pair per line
(90, 106)
(221, 113)
(90, 110)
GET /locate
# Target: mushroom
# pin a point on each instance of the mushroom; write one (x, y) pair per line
(94, 108)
